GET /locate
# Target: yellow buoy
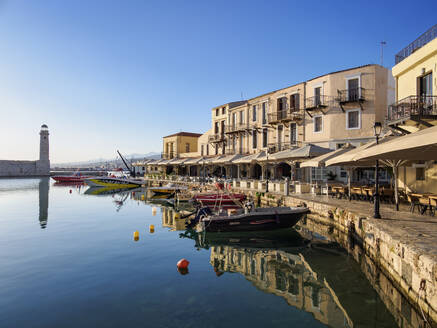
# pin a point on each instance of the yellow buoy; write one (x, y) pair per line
(152, 228)
(153, 211)
(142, 197)
(136, 235)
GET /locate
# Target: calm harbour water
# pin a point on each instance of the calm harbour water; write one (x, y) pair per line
(69, 260)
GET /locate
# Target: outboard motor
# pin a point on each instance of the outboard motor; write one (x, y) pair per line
(248, 206)
(201, 213)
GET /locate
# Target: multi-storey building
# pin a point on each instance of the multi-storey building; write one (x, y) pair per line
(415, 108)
(328, 111)
(217, 139)
(178, 143)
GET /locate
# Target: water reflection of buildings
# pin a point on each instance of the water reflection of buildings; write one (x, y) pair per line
(44, 185)
(290, 276)
(169, 220)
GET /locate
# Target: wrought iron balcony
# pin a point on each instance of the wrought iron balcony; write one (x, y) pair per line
(231, 128)
(426, 37)
(317, 102)
(242, 151)
(285, 116)
(280, 146)
(216, 138)
(353, 95)
(414, 108)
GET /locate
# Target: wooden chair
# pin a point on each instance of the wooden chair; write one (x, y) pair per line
(424, 205)
(414, 201)
(432, 205)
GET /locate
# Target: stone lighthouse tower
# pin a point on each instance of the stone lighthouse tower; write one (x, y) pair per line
(43, 165)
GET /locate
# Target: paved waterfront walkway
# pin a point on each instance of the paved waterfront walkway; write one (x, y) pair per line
(419, 231)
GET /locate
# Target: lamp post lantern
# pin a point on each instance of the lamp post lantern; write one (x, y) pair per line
(377, 128)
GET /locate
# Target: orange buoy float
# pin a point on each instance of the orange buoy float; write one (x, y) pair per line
(152, 228)
(183, 264)
(183, 271)
(136, 235)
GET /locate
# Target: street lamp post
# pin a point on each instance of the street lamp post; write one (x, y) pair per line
(377, 130)
(267, 171)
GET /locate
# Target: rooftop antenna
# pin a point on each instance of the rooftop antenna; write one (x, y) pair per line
(242, 95)
(383, 43)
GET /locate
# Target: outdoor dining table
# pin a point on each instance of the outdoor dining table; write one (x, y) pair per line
(425, 201)
(338, 190)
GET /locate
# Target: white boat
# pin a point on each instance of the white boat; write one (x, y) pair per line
(167, 189)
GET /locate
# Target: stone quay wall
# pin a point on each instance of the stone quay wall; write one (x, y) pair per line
(24, 168)
(407, 263)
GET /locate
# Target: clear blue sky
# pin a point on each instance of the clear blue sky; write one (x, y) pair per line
(107, 75)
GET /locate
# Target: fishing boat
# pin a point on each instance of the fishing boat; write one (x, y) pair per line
(168, 189)
(248, 219)
(113, 182)
(219, 199)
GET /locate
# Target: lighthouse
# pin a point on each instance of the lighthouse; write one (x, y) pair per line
(43, 165)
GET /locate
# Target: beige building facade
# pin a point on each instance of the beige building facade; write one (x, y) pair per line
(415, 107)
(178, 143)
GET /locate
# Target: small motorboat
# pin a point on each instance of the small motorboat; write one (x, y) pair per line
(168, 189)
(219, 199)
(248, 219)
(113, 182)
(70, 178)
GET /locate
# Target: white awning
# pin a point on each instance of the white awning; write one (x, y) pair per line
(306, 151)
(320, 161)
(251, 158)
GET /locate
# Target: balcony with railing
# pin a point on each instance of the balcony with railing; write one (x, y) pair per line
(425, 38)
(354, 95)
(285, 115)
(317, 102)
(419, 109)
(216, 138)
(231, 151)
(280, 146)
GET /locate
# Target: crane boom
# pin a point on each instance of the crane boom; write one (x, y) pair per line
(131, 171)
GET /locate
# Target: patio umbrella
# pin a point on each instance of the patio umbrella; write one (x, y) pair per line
(421, 145)
(346, 160)
(320, 161)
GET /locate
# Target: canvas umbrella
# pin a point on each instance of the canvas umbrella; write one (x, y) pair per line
(421, 145)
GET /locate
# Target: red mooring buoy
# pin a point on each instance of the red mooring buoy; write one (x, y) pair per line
(71, 191)
(183, 264)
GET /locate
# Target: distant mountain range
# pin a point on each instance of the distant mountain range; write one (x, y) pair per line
(108, 162)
